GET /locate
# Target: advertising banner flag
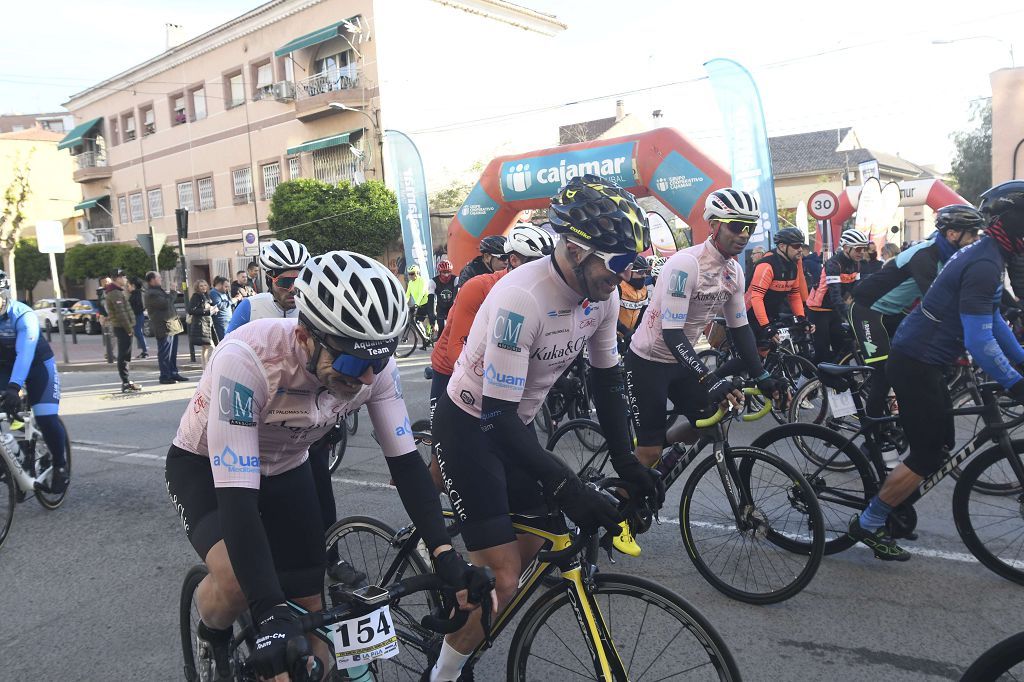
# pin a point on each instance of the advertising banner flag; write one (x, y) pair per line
(406, 179)
(751, 163)
(888, 216)
(869, 207)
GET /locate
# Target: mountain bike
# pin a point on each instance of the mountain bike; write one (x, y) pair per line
(750, 522)
(26, 466)
(413, 336)
(590, 624)
(845, 477)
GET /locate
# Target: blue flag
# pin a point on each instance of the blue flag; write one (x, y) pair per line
(406, 179)
(750, 158)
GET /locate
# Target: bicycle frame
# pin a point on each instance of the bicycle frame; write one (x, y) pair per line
(25, 482)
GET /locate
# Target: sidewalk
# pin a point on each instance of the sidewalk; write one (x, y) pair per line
(88, 354)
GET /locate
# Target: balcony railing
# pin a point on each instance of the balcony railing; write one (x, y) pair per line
(99, 234)
(328, 81)
(91, 159)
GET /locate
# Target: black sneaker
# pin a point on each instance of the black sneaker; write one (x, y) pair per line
(167, 380)
(59, 480)
(129, 387)
(179, 378)
(212, 654)
(884, 547)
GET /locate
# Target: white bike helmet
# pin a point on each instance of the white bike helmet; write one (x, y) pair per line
(348, 295)
(283, 255)
(656, 265)
(529, 241)
(853, 237)
(731, 204)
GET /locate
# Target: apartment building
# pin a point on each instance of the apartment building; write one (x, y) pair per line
(290, 89)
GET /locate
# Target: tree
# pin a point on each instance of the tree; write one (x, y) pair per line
(972, 165)
(100, 260)
(13, 215)
(33, 267)
(451, 197)
(361, 218)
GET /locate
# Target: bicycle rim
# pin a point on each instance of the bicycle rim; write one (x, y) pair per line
(44, 461)
(406, 342)
(657, 636)
(779, 548)
(337, 452)
(967, 426)
(188, 619)
(8, 500)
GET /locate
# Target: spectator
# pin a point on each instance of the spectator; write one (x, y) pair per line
(253, 272)
(753, 255)
(870, 265)
(166, 325)
(241, 288)
(812, 269)
(889, 251)
(200, 327)
(139, 309)
(220, 298)
(122, 320)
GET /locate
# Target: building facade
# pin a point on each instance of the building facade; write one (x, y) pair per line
(1007, 124)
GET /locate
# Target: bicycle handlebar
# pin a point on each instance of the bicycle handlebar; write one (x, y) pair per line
(721, 414)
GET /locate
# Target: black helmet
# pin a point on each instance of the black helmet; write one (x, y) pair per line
(1007, 196)
(959, 217)
(790, 235)
(640, 264)
(597, 213)
(5, 281)
(493, 245)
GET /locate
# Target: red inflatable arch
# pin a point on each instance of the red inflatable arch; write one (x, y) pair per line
(659, 163)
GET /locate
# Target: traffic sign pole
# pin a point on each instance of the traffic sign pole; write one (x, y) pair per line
(822, 205)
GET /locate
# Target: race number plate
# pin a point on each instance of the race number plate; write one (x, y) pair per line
(360, 640)
(841, 404)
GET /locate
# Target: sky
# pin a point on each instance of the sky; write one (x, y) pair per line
(872, 65)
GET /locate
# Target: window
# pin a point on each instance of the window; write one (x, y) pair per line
(198, 104)
(122, 210)
(112, 125)
(205, 187)
(129, 127)
(17, 127)
(263, 77)
(271, 178)
(241, 185)
(338, 69)
(148, 120)
(235, 90)
(294, 168)
(156, 203)
(186, 198)
(178, 115)
(334, 164)
(135, 203)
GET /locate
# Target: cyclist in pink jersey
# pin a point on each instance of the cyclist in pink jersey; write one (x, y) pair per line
(238, 471)
(531, 326)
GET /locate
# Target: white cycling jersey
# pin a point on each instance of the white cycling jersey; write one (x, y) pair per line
(257, 409)
(696, 285)
(531, 326)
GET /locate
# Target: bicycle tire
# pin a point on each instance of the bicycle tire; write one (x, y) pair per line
(712, 358)
(796, 371)
(967, 426)
(707, 645)
(7, 506)
(50, 500)
(337, 452)
(407, 342)
(995, 664)
(352, 422)
(797, 530)
(567, 444)
(991, 463)
(187, 621)
(841, 492)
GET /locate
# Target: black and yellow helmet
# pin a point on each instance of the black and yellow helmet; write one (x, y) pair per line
(597, 213)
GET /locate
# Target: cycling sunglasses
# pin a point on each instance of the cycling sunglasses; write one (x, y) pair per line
(616, 262)
(351, 365)
(282, 282)
(738, 226)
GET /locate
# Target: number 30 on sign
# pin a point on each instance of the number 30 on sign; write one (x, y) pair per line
(360, 640)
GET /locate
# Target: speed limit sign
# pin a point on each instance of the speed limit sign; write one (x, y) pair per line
(823, 204)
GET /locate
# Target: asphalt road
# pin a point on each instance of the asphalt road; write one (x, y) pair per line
(90, 591)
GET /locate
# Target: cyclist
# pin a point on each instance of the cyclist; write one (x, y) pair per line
(281, 261)
(701, 282)
(778, 277)
(656, 263)
(237, 470)
(882, 301)
(26, 361)
(418, 294)
(633, 299)
(443, 288)
(491, 259)
(827, 302)
(960, 311)
(531, 326)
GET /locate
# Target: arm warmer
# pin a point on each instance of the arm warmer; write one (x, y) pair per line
(746, 344)
(612, 411)
(248, 548)
(27, 330)
(419, 497)
(241, 315)
(1007, 341)
(680, 346)
(986, 350)
(500, 419)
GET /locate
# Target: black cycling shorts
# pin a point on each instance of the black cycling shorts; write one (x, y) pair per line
(288, 506)
(482, 484)
(924, 403)
(873, 332)
(650, 385)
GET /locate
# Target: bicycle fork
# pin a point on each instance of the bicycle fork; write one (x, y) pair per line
(608, 665)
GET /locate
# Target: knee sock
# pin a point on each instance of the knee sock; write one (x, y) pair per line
(873, 518)
(449, 664)
(53, 435)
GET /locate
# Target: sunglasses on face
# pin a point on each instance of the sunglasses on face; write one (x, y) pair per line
(283, 282)
(617, 262)
(739, 226)
(350, 365)
(860, 249)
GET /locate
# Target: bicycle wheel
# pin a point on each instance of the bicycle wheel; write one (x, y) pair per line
(44, 461)
(543, 420)
(568, 443)
(796, 372)
(841, 490)
(712, 358)
(656, 633)
(370, 547)
(776, 551)
(337, 450)
(967, 426)
(407, 342)
(188, 619)
(352, 422)
(992, 526)
(1003, 662)
(8, 499)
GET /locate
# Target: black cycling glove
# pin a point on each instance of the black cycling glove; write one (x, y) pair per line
(719, 390)
(586, 507)
(647, 482)
(458, 574)
(280, 641)
(770, 385)
(10, 401)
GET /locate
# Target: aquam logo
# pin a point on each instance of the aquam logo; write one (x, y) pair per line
(677, 283)
(405, 429)
(669, 316)
(496, 378)
(237, 464)
(507, 327)
(234, 402)
(539, 177)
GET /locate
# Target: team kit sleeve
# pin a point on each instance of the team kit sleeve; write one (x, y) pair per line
(924, 269)
(27, 329)
(760, 283)
(389, 414)
(979, 289)
(603, 345)
(798, 294)
(834, 282)
(460, 317)
(734, 309)
(241, 315)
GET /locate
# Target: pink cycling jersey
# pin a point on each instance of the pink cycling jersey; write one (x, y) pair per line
(531, 326)
(267, 409)
(696, 285)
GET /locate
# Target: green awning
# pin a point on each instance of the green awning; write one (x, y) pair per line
(90, 203)
(315, 38)
(324, 142)
(75, 137)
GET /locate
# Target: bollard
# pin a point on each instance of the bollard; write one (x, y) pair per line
(74, 335)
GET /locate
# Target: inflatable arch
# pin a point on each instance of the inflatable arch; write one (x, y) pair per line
(659, 163)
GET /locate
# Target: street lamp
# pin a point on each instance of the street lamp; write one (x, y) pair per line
(373, 123)
(1005, 43)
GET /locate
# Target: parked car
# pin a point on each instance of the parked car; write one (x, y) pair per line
(46, 311)
(179, 305)
(83, 317)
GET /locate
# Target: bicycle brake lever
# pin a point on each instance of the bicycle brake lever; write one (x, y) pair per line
(605, 543)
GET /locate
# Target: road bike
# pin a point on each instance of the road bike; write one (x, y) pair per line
(413, 336)
(26, 467)
(750, 522)
(588, 624)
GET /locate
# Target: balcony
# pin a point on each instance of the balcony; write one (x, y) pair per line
(92, 165)
(313, 94)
